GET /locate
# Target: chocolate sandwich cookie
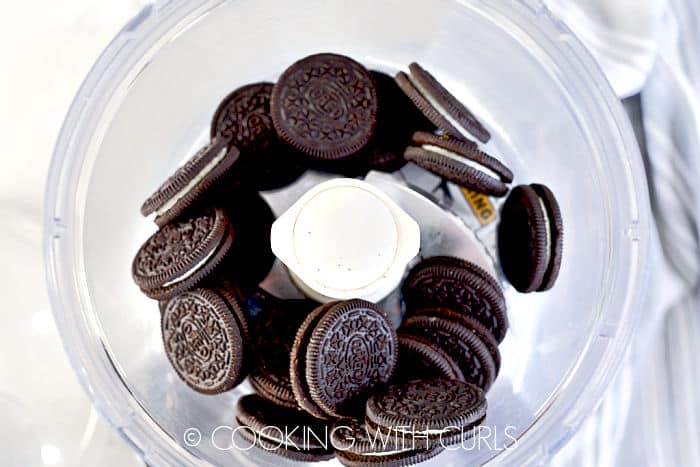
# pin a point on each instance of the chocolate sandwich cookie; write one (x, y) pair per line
(237, 303)
(325, 106)
(439, 105)
(397, 120)
(292, 428)
(421, 438)
(345, 350)
(288, 452)
(204, 341)
(356, 445)
(352, 351)
(275, 328)
(398, 459)
(470, 323)
(445, 410)
(183, 254)
(252, 219)
(530, 238)
(191, 181)
(297, 367)
(466, 348)
(419, 358)
(244, 117)
(460, 285)
(459, 162)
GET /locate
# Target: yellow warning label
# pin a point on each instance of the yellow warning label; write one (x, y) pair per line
(481, 205)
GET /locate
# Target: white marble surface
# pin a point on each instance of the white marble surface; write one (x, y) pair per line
(46, 48)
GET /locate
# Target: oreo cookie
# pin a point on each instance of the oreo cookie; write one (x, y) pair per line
(325, 106)
(439, 105)
(459, 162)
(291, 428)
(419, 358)
(352, 351)
(251, 218)
(470, 323)
(530, 238)
(397, 120)
(244, 118)
(297, 366)
(399, 459)
(421, 407)
(357, 445)
(237, 303)
(460, 285)
(275, 328)
(205, 341)
(466, 348)
(183, 254)
(345, 350)
(191, 181)
(287, 452)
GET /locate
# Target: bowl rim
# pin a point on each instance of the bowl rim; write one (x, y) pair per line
(80, 331)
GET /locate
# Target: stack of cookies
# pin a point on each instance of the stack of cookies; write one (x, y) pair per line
(339, 369)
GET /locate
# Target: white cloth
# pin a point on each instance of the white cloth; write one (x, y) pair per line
(621, 34)
(651, 413)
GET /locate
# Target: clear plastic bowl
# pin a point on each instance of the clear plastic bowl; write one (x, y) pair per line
(146, 105)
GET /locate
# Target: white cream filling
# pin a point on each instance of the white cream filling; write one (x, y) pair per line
(192, 270)
(192, 183)
(462, 160)
(547, 226)
(440, 109)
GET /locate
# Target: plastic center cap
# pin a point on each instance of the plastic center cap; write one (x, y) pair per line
(345, 238)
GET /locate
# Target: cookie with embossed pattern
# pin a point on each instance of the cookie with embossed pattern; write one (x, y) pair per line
(350, 434)
(460, 162)
(440, 105)
(461, 286)
(297, 360)
(392, 459)
(467, 349)
(192, 181)
(251, 217)
(419, 358)
(183, 254)
(356, 444)
(397, 120)
(282, 425)
(470, 323)
(237, 303)
(530, 238)
(351, 352)
(204, 341)
(325, 105)
(247, 439)
(274, 330)
(443, 408)
(244, 117)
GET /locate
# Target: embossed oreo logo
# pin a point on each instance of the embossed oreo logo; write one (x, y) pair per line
(199, 336)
